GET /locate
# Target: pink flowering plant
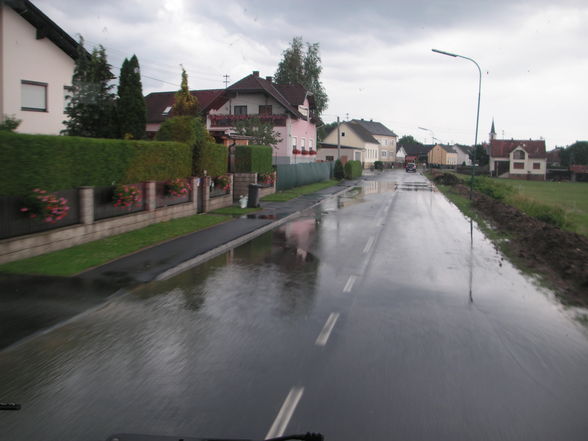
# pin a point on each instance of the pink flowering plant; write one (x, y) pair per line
(126, 196)
(223, 182)
(45, 206)
(177, 187)
(265, 178)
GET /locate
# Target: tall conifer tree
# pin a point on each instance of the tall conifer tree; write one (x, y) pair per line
(131, 108)
(91, 108)
(186, 104)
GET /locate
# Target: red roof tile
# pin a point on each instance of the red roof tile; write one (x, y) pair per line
(501, 148)
(157, 102)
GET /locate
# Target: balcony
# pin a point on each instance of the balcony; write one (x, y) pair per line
(231, 120)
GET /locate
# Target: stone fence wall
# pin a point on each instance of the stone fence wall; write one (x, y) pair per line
(89, 229)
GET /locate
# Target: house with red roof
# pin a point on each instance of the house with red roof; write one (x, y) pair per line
(289, 107)
(518, 159)
(159, 106)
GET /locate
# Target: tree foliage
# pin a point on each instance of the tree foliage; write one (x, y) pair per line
(575, 154)
(303, 67)
(91, 108)
(131, 109)
(482, 157)
(186, 104)
(262, 131)
(407, 141)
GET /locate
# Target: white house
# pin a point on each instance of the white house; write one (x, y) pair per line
(358, 144)
(518, 159)
(36, 68)
(385, 137)
(463, 154)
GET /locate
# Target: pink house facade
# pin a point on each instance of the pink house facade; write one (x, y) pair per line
(290, 108)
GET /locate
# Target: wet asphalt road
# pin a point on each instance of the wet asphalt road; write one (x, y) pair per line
(379, 315)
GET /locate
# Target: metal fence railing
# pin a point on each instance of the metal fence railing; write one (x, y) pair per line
(104, 207)
(13, 222)
(295, 175)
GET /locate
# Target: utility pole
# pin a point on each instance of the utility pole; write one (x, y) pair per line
(226, 80)
(338, 139)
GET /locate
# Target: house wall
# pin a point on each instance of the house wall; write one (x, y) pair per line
(346, 154)
(437, 155)
(462, 156)
(451, 158)
(26, 58)
(527, 165)
(252, 101)
(400, 155)
(388, 145)
(371, 154)
(348, 137)
(298, 128)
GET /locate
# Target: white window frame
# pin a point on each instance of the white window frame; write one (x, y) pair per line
(294, 139)
(302, 143)
(42, 87)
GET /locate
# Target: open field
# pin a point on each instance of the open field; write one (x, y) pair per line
(571, 197)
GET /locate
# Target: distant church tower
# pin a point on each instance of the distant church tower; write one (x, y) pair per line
(492, 132)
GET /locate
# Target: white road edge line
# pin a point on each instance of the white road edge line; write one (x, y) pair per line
(285, 413)
(349, 285)
(369, 244)
(323, 337)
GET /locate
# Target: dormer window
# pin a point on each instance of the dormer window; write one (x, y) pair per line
(166, 111)
(518, 154)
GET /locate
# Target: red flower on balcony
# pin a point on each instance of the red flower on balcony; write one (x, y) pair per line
(312, 152)
(304, 152)
(296, 152)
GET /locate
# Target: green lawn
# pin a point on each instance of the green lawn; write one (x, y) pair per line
(286, 195)
(572, 197)
(76, 259)
(234, 211)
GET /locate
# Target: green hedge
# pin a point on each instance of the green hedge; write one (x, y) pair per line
(212, 158)
(253, 159)
(63, 162)
(353, 169)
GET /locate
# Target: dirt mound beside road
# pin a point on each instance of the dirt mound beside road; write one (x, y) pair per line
(561, 256)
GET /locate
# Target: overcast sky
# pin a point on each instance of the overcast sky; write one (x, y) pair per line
(376, 56)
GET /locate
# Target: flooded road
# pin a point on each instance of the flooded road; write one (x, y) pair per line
(381, 314)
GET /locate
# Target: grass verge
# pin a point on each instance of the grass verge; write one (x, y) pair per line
(286, 195)
(76, 259)
(234, 211)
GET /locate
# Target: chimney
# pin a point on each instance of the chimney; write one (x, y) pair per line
(269, 79)
(256, 73)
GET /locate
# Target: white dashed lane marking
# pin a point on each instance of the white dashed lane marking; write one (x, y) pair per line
(285, 413)
(323, 337)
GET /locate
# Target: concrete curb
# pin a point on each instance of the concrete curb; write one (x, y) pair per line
(195, 261)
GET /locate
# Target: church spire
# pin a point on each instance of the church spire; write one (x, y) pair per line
(492, 131)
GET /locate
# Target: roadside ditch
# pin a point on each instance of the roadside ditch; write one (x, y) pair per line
(558, 257)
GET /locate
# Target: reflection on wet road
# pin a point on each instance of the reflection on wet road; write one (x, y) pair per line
(381, 314)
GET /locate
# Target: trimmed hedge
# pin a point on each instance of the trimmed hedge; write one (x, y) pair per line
(253, 159)
(212, 158)
(353, 169)
(63, 162)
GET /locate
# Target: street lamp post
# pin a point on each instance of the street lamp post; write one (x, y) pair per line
(478, 111)
(432, 133)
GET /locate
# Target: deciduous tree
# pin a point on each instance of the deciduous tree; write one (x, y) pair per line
(262, 131)
(300, 67)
